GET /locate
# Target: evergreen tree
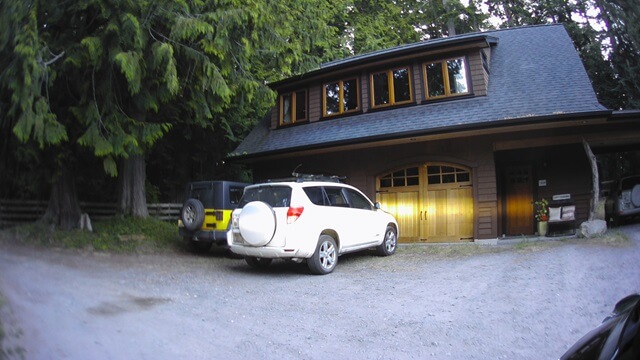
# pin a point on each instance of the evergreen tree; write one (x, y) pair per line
(622, 20)
(115, 76)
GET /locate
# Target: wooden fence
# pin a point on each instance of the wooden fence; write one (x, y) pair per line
(22, 211)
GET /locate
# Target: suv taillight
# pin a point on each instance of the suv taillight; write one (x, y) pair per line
(293, 214)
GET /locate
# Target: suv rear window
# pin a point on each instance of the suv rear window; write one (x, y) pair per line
(275, 196)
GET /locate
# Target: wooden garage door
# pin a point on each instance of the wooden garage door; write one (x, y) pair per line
(450, 204)
(431, 202)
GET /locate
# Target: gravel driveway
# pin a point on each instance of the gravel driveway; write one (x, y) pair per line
(499, 302)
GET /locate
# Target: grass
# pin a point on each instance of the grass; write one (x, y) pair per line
(133, 235)
(118, 235)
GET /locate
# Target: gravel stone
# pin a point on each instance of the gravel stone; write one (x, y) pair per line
(493, 302)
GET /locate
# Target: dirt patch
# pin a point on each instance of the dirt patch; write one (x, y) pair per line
(528, 300)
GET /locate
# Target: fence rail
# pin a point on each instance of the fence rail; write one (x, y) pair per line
(14, 212)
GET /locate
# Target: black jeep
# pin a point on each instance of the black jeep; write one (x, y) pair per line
(206, 212)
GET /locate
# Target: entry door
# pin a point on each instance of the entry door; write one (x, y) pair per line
(519, 200)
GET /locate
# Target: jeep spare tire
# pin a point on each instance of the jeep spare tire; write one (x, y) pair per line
(257, 223)
(192, 214)
(635, 195)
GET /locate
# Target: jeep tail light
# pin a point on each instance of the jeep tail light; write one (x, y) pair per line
(293, 214)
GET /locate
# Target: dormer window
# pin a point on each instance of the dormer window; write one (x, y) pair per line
(446, 78)
(340, 97)
(391, 87)
(293, 107)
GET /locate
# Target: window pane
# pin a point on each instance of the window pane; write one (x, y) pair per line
(401, 90)
(380, 89)
(385, 183)
(433, 169)
(335, 197)
(315, 194)
(463, 177)
(448, 169)
(332, 98)
(398, 182)
(433, 179)
(448, 178)
(457, 76)
(412, 171)
(435, 81)
(301, 105)
(276, 196)
(286, 109)
(358, 201)
(350, 90)
(413, 181)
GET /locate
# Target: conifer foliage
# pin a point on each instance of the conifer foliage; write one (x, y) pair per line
(114, 76)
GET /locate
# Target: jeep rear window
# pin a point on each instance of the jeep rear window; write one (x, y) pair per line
(275, 196)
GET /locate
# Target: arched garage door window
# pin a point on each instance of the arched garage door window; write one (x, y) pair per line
(432, 202)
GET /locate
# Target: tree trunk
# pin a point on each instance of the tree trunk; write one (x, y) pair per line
(63, 209)
(595, 179)
(451, 28)
(132, 198)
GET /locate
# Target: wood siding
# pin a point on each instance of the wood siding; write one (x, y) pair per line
(477, 74)
(564, 168)
(365, 101)
(315, 102)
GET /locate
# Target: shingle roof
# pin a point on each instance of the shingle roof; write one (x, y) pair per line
(535, 73)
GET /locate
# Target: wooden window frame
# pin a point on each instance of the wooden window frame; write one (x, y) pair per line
(445, 75)
(293, 95)
(403, 175)
(341, 96)
(391, 87)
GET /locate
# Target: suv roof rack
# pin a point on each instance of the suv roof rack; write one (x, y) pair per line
(298, 177)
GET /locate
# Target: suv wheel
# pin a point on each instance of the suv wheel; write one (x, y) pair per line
(258, 262)
(325, 259)
(192, 214)
(388, 246)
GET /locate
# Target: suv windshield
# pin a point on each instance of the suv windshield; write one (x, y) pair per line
(275, 196)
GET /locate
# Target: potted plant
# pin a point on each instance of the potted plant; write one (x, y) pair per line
(542, 215)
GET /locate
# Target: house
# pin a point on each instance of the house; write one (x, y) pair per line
(457, 137)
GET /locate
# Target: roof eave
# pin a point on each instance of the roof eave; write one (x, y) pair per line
(498, 124)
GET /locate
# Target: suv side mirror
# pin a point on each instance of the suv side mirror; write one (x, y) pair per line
(377, 205)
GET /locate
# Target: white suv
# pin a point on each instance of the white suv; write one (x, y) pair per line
(307, 219)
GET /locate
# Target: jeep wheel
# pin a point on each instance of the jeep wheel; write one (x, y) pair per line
(192, 214)
(258, 262)
(388, 246)
(325, 259)
(257, 223)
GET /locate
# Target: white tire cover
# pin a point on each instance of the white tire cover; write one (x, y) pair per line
(635, 195)
(257, 223)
